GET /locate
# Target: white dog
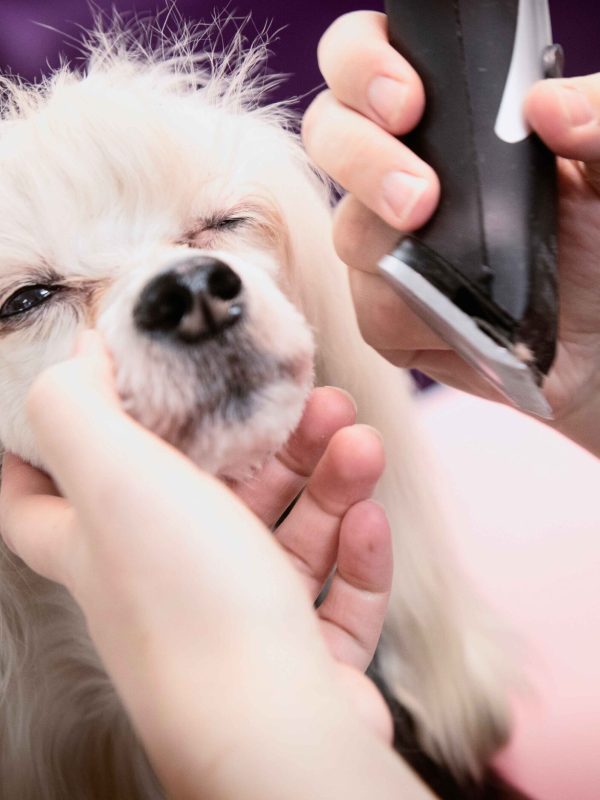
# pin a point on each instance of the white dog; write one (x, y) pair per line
(152, 197)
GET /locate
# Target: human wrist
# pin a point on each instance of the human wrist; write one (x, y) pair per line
(174, 676)
(149, 652)
(296, 738)
(210, 728)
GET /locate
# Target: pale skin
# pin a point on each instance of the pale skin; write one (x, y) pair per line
(203, 619)
(375, 95)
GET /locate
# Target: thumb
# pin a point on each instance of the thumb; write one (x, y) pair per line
(65, 406)
(565, 113)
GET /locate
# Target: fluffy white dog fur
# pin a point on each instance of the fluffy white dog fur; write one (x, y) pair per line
(109, 176)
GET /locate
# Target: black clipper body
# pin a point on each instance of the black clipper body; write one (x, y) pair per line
(482, 272)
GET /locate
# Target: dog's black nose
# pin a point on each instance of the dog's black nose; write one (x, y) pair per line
(194, 300)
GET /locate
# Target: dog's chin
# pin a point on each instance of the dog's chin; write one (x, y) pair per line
(236, 451)
(239, 431)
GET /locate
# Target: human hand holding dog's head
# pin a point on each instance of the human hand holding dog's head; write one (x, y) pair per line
(166, 562)
(349, 130)
(105, 464)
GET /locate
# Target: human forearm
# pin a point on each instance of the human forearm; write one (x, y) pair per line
(298, 738)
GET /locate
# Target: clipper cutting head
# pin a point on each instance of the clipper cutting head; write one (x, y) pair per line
(515, 379)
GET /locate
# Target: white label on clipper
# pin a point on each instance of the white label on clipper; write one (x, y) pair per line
(533, 34)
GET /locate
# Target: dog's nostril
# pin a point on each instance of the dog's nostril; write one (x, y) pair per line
(169, 305)
(223, 282)
(163, 304)
(193, 301)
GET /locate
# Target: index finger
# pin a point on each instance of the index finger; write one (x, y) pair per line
(367, 74)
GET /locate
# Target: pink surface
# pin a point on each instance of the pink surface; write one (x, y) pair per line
(528, 506)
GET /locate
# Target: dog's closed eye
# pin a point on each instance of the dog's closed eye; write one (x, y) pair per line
(201, 231)
(226, 223)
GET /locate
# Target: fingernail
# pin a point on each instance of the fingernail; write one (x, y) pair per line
(402, 192)
(576, 107)
(386, 97)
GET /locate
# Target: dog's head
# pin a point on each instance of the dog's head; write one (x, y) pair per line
(153, 202)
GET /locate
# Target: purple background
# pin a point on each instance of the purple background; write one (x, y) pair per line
(27, 48)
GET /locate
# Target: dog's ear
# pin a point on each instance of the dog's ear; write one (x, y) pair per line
(437, 654)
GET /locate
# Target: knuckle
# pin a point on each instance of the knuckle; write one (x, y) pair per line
(355, 146)
(352, 50)
(378, 310)
(327, 43)
(336, 36)
(360, 237)
(348, 234)
(403, 359)
(338, 141)
(365, 326)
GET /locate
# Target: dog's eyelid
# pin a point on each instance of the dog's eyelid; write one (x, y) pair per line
(229, 219)
(229, 222)
(23, 281)
(218, 223)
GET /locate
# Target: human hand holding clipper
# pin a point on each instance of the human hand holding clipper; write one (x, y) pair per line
(376, 94)
(482, 271)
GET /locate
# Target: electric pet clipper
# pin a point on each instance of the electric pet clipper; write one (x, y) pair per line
(482, 272)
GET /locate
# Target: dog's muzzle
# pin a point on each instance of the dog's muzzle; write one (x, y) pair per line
(191, 301)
